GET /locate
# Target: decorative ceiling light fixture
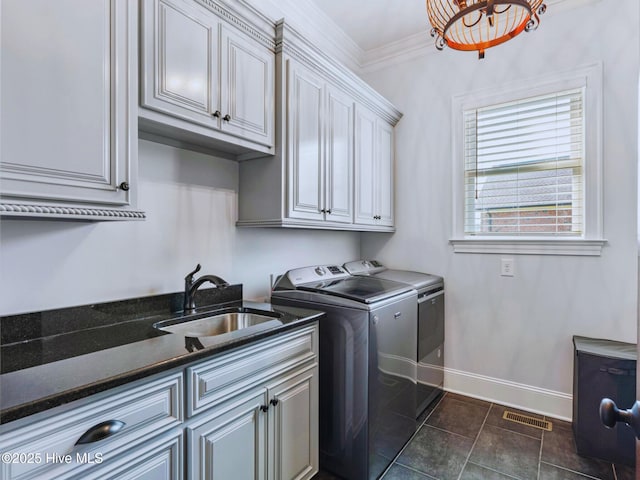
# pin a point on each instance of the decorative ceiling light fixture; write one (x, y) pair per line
(481, 24)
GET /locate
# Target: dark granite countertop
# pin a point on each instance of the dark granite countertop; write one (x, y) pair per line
(54, 357)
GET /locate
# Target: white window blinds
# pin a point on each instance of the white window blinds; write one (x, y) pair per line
(524, 164)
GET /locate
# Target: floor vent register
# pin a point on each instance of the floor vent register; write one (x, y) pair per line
(526, 420)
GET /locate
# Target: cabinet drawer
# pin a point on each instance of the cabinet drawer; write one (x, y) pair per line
(212, 382)
(46, 447)
(161, 459)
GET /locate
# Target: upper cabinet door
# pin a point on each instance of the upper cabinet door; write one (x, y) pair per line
(384, 134)
(305, 143)
(68, 138)
(247, 73)
(180, 57)
(365, 167)
(339, 157)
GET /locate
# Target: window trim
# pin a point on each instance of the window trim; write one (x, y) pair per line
(592, 240)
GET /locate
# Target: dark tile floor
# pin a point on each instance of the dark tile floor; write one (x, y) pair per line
(462, 438)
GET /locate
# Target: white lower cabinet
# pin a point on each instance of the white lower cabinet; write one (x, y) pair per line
(268, 433)
(230, 442)
(293, 426)
(268, 428)
(253, 416)
(46, 445)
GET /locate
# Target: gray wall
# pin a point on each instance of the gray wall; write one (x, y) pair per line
(509, 339)
(190, 200)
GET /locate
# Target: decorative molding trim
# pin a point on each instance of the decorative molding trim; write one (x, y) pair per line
(322, 31)
(529, 246)
(310, 225)
(234, 18)
(293, 44)
(70, 212)
(518, 395)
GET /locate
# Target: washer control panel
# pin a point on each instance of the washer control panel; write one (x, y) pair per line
(302, 275)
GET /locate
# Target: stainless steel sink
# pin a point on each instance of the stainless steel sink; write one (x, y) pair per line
(220, 323)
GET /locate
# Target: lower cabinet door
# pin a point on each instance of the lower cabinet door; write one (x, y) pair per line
(293, 415)
(230, 442)
(160, 459)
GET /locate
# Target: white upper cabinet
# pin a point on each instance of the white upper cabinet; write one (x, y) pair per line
(68, 143)
(305, 148)
(374, 167)
(339, 156)
(320, 149)
(334, 165)
(212, 83)
(180, 60)
(248, 89)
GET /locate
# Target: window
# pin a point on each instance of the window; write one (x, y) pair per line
(527, 175)
(523, 167)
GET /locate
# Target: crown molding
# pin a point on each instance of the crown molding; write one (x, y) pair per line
(321, 31)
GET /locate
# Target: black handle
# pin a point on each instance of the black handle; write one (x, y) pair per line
(264, 408)
(610, 414)
(124, 186)
(101, 431)
(189, 277)
(216, 114)
(274, 401)
(227, 117)
(329, 211)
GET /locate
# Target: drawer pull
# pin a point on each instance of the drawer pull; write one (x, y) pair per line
(101, 431)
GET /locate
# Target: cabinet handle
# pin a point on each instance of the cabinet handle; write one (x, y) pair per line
(274, 401)
(264, 408)
(124, 186)
(329, 211)
(101, 431)
(216, 114)
(323, 210)
(227, 117)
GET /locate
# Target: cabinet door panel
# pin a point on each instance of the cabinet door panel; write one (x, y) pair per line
(385, 173)
(295, 426)
(180, 50)
(365, 166)
(339, 159)
(58, 137)
(231, 444)
(247, 72)
(305, 159)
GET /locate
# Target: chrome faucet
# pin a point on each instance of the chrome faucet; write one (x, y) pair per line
(191, 285)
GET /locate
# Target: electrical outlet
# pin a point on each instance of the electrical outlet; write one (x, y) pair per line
(506, 269)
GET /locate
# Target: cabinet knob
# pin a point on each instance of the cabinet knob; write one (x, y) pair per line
(124, 186)
(322, 210)
(216, 114)
(227, 117)
(264, 408)
(329, 211)
(274, 401)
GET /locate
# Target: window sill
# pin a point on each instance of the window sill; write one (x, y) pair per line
(528, 246)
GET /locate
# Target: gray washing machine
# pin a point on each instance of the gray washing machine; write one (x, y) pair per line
(367, 370)
(429, 345)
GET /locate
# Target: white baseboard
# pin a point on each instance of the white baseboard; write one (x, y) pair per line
(517, 395)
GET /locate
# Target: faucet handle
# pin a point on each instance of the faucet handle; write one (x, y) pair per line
(189, 278)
